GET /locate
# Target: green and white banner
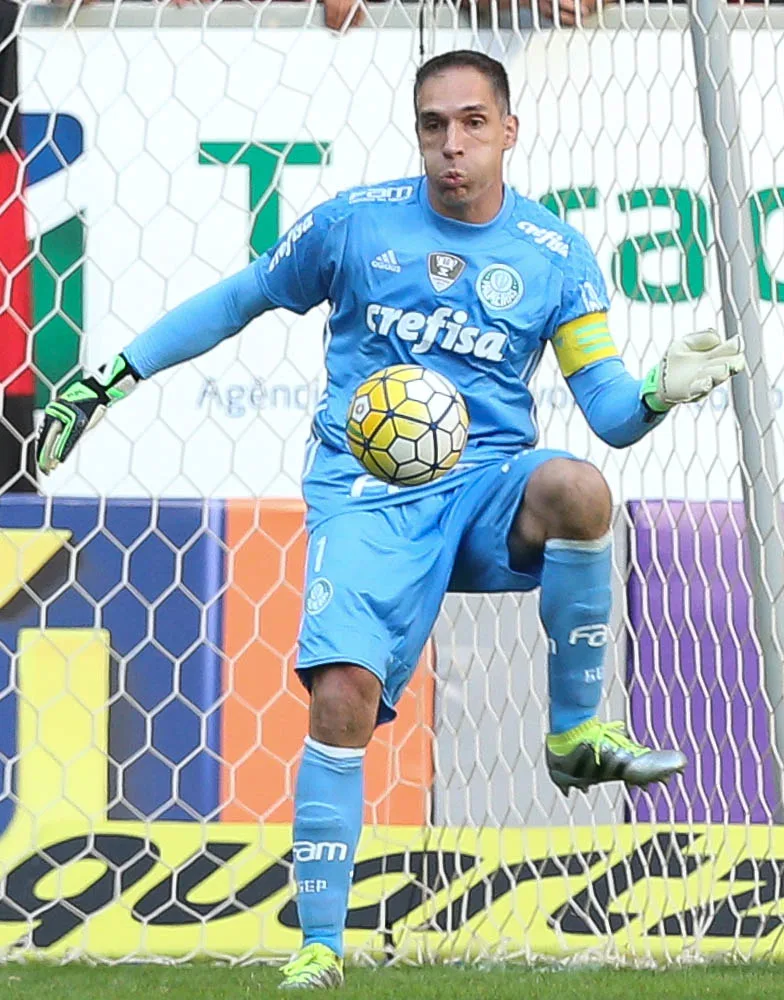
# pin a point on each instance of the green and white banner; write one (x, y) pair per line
(202, 147)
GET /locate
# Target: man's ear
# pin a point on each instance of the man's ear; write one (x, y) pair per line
(511, 126)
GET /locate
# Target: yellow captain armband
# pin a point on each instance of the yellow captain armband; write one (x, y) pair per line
(582, 342)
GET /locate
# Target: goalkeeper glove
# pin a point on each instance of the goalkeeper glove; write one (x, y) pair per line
(79, 408)
(691, 368)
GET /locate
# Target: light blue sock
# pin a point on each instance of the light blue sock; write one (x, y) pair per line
(575, 608)
(327, 823)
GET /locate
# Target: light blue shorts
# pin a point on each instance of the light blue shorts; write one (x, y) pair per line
(376, 577)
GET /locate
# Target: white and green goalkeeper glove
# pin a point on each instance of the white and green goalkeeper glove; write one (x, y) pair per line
(79, 408)
(691, 368)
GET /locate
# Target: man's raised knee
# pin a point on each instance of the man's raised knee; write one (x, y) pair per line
(566, 498)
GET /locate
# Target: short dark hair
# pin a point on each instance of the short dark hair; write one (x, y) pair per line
(490, 68)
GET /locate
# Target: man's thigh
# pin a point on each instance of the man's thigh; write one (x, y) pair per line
(489, 508)
(374, 584)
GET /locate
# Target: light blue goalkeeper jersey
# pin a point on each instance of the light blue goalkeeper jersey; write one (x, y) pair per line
(477, 303)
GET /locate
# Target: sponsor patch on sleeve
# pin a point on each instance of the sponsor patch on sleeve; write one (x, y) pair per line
(582, 342)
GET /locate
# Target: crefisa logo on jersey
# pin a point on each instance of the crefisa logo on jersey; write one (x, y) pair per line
(319, 595)
(448, 327)
(444, 269)
(545, 237)
(296, 232)
(499, 286)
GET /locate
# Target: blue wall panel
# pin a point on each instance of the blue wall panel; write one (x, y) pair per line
(152, 574)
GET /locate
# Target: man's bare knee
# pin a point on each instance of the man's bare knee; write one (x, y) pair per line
(564, 498)
(344, 705)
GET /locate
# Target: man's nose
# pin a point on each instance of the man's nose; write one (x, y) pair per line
(452, 141)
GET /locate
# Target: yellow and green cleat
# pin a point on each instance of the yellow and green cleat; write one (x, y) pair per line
(316, 967)
(595, 752)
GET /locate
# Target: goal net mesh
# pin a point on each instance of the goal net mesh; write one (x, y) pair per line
(150, 718)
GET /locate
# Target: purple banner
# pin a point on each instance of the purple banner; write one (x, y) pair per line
(694, 670)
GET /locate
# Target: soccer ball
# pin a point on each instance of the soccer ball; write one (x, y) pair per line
(407, 425)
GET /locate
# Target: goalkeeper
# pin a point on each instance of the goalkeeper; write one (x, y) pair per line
(455, 271)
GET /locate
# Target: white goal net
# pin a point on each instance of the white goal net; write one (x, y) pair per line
(150, 719)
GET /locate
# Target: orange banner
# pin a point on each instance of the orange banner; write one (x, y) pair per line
(264, 717)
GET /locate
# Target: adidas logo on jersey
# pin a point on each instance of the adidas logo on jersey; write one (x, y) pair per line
(386, 261)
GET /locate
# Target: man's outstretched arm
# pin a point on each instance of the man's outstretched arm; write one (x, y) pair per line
(198, 324)
(295, 275)
(189, 330)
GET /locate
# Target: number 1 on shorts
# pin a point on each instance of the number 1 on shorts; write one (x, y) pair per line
(321, 544)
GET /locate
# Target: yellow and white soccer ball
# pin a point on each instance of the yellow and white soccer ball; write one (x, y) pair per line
(407, 425)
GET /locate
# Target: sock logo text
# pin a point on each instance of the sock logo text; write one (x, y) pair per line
(595, 635)
(320, 850)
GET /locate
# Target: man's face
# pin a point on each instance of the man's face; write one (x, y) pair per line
(463, 134)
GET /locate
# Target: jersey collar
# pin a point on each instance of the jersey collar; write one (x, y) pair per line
(454, 227)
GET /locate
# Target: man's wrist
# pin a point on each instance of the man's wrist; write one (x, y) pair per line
(649, 393)
(129, 367)
(117, 379)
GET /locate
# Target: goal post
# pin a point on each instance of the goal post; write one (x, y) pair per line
(150, 718)
(735, 253)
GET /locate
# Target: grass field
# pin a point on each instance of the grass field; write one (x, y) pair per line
(75, 982)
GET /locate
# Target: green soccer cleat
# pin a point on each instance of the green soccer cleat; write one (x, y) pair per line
(316, 967)
(601, 751)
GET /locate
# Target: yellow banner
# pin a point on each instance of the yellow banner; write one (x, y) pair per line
(75, 883)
